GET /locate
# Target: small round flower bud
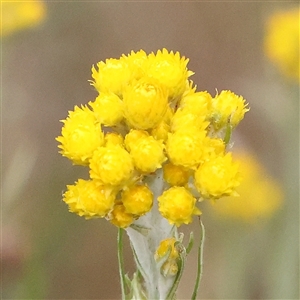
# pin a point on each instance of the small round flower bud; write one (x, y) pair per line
(169, 69)
(120, 217)
(217, 177)
(199, 103)
(214, 147)
(228, 108)
(186, 148)
(177, 205)
(111, 165)
(137, 199)
(89, 199)
(148, 154)
(184, 119)
(81, 136)
(108, 109)
(111, 76)
(175, 175)
(113, 139)
(161, 131)
(145, 103)
(132, 138)
(136, 62)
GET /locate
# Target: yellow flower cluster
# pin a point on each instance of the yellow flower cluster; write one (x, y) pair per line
(260, 195)
(19, 15)
(282, 41)
(148, 117)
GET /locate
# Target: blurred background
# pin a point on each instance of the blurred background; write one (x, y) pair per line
(48, 48)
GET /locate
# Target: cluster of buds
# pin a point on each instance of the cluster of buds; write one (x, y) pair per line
(149, 118)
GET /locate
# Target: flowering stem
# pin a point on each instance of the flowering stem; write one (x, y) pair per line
(200, 260)
(121, 261)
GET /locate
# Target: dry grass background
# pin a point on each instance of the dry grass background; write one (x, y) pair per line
(48, 253)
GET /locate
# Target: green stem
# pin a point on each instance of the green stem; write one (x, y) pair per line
(200, 261)
(228, 133)
(181, 264)
(121, 261)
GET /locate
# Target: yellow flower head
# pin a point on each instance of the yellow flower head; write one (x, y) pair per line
(184, 119)
(148, 154)
(111, 165)
(177, 205)
(112, 76)
(132, 138)
(137, 199)
(228, 108)
(175, 175)
(170, 70)
(161, 131)
(145, 103)
(199, 103)
(81, 136)
(113, 139)
(282, 41)
(19, 15)
(89, 199)
(108, 109)
(120, 217)
(186, 148)
(214, 147)
(260, 195)
(136, 62)
(218, 177)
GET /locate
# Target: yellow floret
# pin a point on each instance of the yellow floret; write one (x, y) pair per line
(177, 205)
(169, 69)
(108, 109)
(185, 119)
(111, 165)
(137, 199)
(132, 138)
(148, 154)
(175, 175)
(228, 108)
(161, 131)
(81, 136)
(199, 103)
(145, 103)
(218, 177)
(214, 147)
(186, 148)
(89, 199)
(112, 76)
(120, 217)
(113, 139)
(136, 62)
